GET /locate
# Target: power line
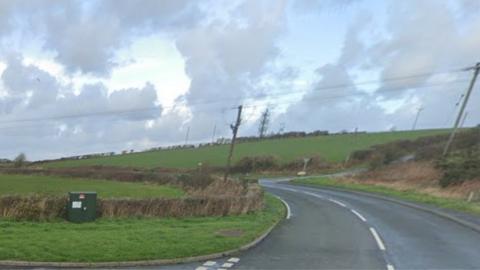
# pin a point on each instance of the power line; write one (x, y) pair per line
(161, 108)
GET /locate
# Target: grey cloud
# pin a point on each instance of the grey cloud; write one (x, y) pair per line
(84, 35)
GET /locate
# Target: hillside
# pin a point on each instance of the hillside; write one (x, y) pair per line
(333, 148)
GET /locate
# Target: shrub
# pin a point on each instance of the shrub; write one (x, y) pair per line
(460, 167)
(19, 161)
(256, 163)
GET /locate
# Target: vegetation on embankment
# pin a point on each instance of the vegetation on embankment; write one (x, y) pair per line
(406, 193)
(333, 148)
(133, 239)
(39, 198)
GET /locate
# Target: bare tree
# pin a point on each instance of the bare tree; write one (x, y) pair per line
(19, 161)
(264, 121)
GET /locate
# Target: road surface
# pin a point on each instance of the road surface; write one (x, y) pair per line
(340, 230)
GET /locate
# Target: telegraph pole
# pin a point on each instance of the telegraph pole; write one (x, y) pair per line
(214, 131)
(476, 69)
(464, 118)
(232, 143)
(416, 118)
(186, 135)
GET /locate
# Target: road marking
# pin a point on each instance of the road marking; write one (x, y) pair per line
(337, 202)
(209, 263)
(221, 269)
(313, 194)
(233, 260)
(227, 265)
(201, 268)
(390, 267)
(377, 238)
(289, 212)
(359, 215)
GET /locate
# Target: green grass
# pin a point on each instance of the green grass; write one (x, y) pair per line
(54, 185)
(408, 195)
(132, 239)
(333, 148)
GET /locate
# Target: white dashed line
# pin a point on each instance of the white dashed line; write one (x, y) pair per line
(313, 194)
(233, 260)
(227, 265)
(289, 212)
(377, 238)
(390, 267)
(201, 268)
(221, 269)
(337, 202)
(209, 263)
(359, 215)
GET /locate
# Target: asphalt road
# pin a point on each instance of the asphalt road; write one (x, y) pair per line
(340, 230)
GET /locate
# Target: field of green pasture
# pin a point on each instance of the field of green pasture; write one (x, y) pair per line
(334, 148)
(54, 185)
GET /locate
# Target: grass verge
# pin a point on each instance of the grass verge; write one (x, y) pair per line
(133, 239)
(408, 195)
(55, 185)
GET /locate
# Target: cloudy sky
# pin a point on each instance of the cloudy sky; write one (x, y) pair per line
(85, 76)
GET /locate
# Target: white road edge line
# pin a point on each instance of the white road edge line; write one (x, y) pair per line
(390, 267)
(289, 212)
(380, 244)
(358, 215)
(337, 202)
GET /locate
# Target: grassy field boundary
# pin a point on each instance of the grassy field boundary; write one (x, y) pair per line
(256, 241)
(400, 200)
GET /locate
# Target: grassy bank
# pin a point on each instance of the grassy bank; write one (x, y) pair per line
(133, 239)
(333, 148)
(408, 195)
(54, 185)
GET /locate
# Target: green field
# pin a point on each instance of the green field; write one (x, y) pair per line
(333, 148)
(54, 185)
(132, 239)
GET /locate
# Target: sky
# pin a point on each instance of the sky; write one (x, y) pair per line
(91, 76)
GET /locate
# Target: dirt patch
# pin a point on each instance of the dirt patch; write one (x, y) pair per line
(231, 233)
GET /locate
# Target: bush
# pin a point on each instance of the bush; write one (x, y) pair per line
(460, 167)
(19, 161)
(256, 163)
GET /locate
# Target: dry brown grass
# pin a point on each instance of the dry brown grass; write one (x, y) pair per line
(419, 176)
(220, 198)
(32, 207)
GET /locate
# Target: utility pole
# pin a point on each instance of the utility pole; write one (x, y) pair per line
(214, 131)
(265, 119)
(464, 118)
(416, 118)
(232, 143)
(186, 135)
(476, 69)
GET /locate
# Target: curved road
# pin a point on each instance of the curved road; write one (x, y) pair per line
(341, 230)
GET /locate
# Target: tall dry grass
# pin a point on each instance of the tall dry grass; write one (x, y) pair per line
(220, 198)
(32, 207)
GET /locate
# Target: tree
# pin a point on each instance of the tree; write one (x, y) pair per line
(264, 121)
(19, 161)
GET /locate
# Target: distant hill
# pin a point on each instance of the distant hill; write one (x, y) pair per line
(333, 148)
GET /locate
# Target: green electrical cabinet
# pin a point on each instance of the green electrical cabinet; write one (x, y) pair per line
(82, 206)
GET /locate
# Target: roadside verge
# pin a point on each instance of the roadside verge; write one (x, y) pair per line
(280, 214)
